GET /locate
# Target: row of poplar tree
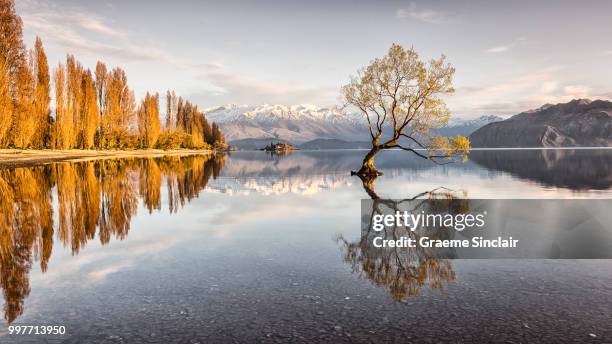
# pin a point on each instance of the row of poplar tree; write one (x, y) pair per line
(92, 110)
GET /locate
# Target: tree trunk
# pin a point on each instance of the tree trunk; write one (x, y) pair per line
(368, 169)
(368, 186)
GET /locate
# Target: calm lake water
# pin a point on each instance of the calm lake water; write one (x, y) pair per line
(258, 248)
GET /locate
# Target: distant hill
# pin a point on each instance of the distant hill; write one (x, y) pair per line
(578, 123)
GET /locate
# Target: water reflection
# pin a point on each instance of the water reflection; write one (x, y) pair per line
(93, 198)
(575, 169)
(75, 203)
(403, 271)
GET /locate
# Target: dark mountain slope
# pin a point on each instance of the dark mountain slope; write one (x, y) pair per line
(579, 123)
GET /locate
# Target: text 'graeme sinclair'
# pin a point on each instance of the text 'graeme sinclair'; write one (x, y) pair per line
(426, 242)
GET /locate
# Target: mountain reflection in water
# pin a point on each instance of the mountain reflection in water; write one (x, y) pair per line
(569, 169)
(575, 169)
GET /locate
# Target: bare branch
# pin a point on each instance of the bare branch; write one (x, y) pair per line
(414, 140)
(428, 157)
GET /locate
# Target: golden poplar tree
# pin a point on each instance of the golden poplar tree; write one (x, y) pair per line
(207, 132)
(149, 126)
(101, 84)
(217, 135)
(121, 102)
(180, 125)
(64, 124)
(41, 95)
(24, 124)
(6, 105)
(74, 72)
(101, 89)
(171, 108)
(89, 110)
(20, 130)
(13, 57)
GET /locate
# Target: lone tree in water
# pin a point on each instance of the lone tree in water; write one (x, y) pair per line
(401, 98)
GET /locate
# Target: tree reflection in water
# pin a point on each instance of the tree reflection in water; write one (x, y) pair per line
(93, 197)
(403, 271)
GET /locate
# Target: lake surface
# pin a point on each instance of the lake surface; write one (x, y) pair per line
(253, 247)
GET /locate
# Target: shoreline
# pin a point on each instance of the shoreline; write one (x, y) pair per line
(11, 158)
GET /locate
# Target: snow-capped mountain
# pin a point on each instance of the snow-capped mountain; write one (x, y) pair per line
(296, 124)
(477, 122)
(271, 113)
(465, 127)
(247, 125)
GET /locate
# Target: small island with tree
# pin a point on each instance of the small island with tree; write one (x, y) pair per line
(279, 147)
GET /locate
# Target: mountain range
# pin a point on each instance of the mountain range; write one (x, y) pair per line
(578, 123)
(308, 126)
(296, 124)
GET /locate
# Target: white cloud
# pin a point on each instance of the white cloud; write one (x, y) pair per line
(80, 33)
(235, 87)
(99, 274)
(500, 49)
(549, 86)
(421, 14)
(83, 33)
(513, 95)
(94, 24)
(505, 47)
(577, 91)
(76, 43)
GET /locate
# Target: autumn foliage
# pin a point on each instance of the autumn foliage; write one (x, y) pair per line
(92, 110)
(402, 99)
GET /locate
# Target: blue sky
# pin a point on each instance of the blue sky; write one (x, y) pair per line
(510, 56)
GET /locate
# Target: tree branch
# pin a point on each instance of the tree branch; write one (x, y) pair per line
(428, 157)
(414, 140)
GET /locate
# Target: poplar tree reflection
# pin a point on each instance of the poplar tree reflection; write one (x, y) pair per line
(26, 230)
(403, 271)
(94, 198)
